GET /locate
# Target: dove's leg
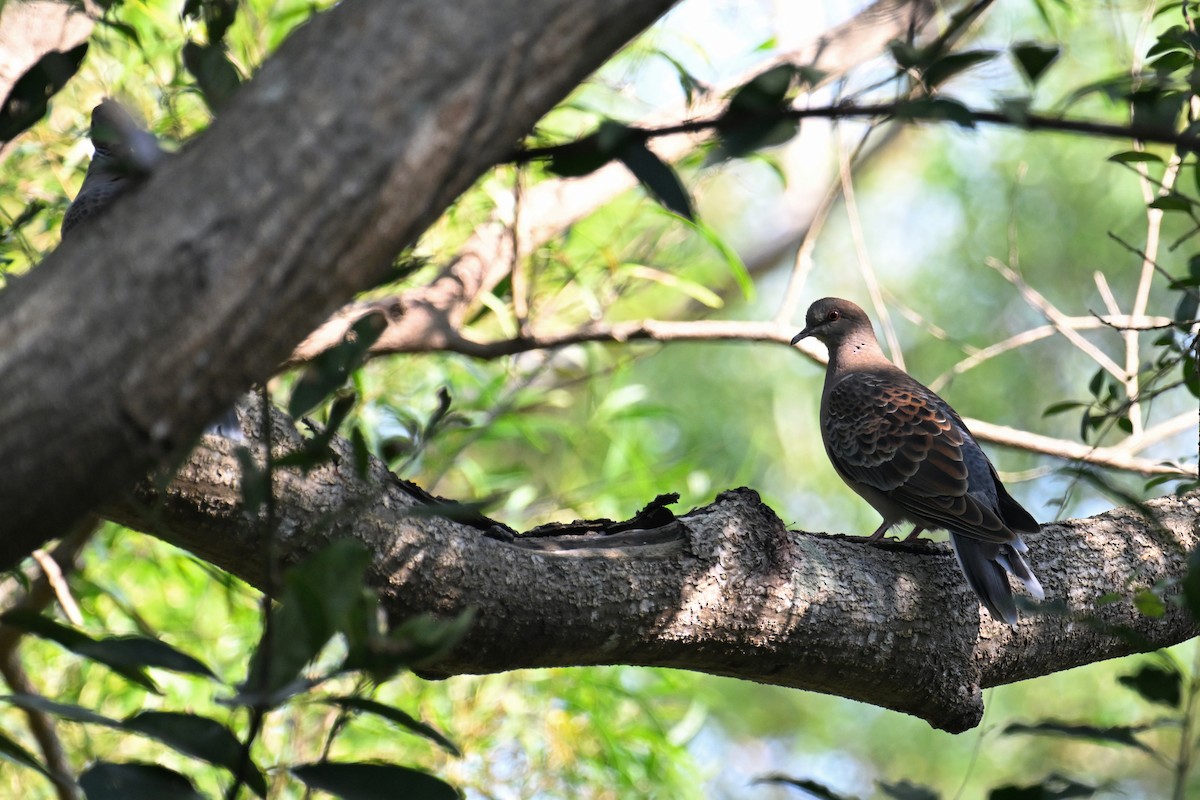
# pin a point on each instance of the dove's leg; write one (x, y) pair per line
(917, 531)
(880, 531)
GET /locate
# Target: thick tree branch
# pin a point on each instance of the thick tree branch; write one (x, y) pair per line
(725, 589)
(357, 134)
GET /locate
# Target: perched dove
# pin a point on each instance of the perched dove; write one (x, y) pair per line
(125, 154)
(907, 453)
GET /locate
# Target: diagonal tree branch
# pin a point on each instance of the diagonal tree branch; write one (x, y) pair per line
(349, 141)
(724, 589)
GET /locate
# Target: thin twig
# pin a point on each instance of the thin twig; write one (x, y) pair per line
(884, 111)
(1131, 336)
(58, 584)
(1037, 301)
(864, 258)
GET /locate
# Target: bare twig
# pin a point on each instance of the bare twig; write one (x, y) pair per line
(1037, 301)
(1131, 336)
(58, 583)
(864, 258)
(1043, 332)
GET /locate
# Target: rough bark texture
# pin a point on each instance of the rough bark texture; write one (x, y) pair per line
(364, 126)
(724, 589)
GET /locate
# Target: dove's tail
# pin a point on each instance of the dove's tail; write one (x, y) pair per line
(986, 564)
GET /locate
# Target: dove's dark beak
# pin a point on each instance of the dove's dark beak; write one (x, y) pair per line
(804, 334)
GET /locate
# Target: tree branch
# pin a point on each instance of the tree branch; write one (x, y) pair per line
(724, 589)
(362, 128)
(909, 110)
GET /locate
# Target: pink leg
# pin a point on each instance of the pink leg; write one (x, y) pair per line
(917, 531)
(880, 531)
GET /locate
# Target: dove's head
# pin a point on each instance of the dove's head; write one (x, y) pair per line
(832, 319)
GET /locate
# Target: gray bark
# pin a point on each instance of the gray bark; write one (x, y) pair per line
(366, 124)
(726, 589)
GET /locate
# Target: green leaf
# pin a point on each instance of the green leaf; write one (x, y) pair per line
(1191, 376)
(255, 486)
(1170, 62)
(362, 453)
(364, 781)
(755, 117)
(1058, 408)
(323, 595)
(215, 74)
(367, 706)
(11, 751)
(1135, 156)
(1172, 202)
(30, 95)
(585, 156)
(946, 67)
(326, 373)
(1034, 59)
(818, 790)
(105, 780)
(141, 651)
(1149, 604)
(1156, 685)
(935, 108)
(762, 94)
(906, 55)
(113, 656)
(907, 791)
(199, 737)
(1121, 735)
(659, 179)
(218, 16)
(417, 640)
(1054, 787)
(738, 137)
(67, 711)
(1187, 309)
(1156, 110)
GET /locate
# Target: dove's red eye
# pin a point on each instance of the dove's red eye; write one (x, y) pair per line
(833, 315)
